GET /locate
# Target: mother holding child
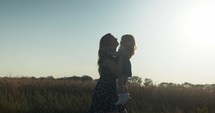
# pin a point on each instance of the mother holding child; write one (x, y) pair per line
(113, 66)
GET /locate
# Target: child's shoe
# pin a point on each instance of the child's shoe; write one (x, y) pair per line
(126, 97)
(123, 98)
(120, 99)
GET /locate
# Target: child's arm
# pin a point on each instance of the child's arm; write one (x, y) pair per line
(121, 50)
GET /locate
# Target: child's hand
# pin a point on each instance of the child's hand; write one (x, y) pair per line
(121, 49)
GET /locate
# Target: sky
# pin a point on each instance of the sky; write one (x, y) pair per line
(60, 38)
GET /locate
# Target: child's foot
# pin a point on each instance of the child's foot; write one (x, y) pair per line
(126, 97)
(120, 99)
(123, 98)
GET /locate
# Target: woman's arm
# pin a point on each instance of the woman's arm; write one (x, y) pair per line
(114, 67)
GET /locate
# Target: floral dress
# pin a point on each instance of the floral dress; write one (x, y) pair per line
(105, 92)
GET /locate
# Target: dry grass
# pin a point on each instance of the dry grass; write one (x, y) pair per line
(31, 95)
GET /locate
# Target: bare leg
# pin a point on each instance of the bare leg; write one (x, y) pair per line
(122, 84)
(123, 91)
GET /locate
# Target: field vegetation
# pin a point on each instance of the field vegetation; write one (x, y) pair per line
(73, 95)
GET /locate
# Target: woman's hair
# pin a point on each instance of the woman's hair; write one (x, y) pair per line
(128, 42)
(105, 44)
(105, 47)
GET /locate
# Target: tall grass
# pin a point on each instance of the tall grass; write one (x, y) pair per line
(172, 99)
(31, 95)
(27, 95)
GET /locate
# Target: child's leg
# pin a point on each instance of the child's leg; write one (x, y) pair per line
(122, 84)
(125, 86)
(123, 90)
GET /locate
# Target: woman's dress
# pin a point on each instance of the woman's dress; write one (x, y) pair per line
(105, 92)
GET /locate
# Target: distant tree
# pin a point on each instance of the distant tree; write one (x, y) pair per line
(42, 78)
(199, 86)
(33, 77)
(75, 78)
(187, 85)
(50, 77)
(78, 78)
(86, 78)
(135, 80)
(163, 84)
(212, 85)
(148, 82)
(167, 84)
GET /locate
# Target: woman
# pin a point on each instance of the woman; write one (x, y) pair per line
(105, 93)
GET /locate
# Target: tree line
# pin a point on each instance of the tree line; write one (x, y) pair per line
(147, 82)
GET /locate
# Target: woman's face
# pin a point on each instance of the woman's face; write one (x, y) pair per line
(114, 43)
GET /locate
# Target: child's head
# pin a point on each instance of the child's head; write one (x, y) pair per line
(128, 42)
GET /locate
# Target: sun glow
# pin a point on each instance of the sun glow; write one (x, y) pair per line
(199, 27)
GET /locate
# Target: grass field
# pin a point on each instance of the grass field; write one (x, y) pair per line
(48, 95)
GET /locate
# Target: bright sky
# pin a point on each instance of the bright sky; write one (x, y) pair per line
(175, 38)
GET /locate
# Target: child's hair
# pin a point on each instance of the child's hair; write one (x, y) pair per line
(128, 42)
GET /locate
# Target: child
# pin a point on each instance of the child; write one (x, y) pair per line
(127, 47)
